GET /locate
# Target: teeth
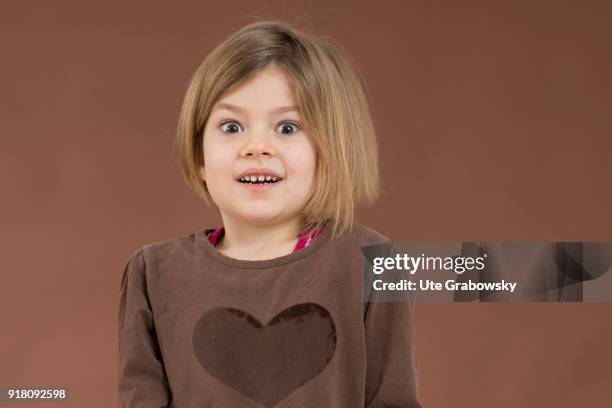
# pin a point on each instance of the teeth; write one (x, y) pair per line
(259, 178)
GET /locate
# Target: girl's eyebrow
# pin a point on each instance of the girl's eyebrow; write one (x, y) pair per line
(223, 105)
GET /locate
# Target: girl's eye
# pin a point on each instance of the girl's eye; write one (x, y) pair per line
(230, 128)
(288, 126)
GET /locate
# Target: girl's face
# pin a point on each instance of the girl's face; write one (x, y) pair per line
(258, 162)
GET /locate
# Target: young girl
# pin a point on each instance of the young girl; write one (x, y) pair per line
(266, 310)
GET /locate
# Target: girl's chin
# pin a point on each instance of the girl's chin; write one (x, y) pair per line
(260, 217)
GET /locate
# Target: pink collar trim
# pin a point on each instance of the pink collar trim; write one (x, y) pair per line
(306, 237)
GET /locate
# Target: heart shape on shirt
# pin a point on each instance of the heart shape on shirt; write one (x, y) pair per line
(267, 362)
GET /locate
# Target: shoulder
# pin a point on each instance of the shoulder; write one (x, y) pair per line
(176, 247)
(363, 235)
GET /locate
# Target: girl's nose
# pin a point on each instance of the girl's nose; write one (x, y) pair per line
(257, 144)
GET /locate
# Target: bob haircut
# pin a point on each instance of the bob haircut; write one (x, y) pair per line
(330, 95)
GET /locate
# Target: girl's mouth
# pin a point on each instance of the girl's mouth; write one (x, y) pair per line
(259, 182)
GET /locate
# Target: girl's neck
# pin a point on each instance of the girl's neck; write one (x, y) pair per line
(245, 241)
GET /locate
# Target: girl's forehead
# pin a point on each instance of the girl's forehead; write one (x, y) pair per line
(268, 91)
(237, 108)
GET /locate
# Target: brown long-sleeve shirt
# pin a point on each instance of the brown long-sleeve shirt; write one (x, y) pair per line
(198, 329)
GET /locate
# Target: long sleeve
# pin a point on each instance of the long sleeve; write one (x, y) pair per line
(391, 376)
(142, 377)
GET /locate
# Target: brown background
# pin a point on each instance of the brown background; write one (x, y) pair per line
(494, 125)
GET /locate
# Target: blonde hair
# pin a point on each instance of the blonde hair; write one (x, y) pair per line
(330, 94)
